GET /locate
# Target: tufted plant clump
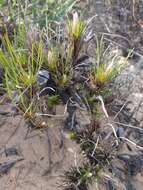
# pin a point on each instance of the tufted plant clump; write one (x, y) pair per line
(107, 65)
(60, 67)
(78, 178)
(63, 56)
(20, 72)
(98, 155)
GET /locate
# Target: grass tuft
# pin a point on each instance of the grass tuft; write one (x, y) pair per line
(107, 65)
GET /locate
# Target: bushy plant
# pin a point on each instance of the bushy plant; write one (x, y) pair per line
(20, 69)
(107, 65)
(63, 57)
(78, 178)
(60, 65)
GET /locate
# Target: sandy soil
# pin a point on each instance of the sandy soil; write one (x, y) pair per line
(44, 156)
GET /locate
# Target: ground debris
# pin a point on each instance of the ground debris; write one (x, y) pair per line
(134, 163)
(6, 166)
(11, 152)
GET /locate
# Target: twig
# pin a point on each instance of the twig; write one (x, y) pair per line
(44, 90)
(106, 114)
(121, 46)
(76, 105)
(26, 111)
(95, 146)
(115, 35)
(134, 10)
(114, 131)
(103, 21)
(126, 125)
(75, 162)
(133, 143)
(22, 93)
(72, 121)
(120, 110)
(103, 106)
(91, 19)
